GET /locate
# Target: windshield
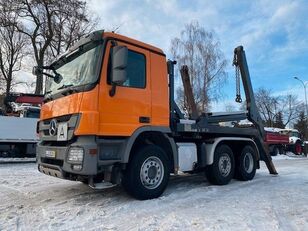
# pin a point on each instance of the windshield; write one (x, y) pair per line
(80, 68)
(32, 113)
(291, 133)
(295, 134)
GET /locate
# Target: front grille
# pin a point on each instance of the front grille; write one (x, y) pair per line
(59, 119)
(44, 125)
(52, 161)
(59, 143)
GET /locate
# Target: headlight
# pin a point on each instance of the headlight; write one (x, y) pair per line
(75, 155)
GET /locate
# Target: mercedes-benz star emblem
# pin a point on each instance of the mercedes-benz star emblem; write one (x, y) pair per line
(53, 127)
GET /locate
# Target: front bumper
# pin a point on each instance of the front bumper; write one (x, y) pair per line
(59, 166)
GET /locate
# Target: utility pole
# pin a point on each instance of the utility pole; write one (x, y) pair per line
(304, 84)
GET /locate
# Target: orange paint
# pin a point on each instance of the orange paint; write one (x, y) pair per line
(119, 115)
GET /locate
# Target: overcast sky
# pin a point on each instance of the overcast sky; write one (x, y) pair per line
(274, 33)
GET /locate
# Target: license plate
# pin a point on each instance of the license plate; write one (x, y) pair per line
(51, 153)
(62, 132)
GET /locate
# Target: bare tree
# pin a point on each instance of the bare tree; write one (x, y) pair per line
(70, 28)
(267, 105)
(290, 108)
(2, 84)
(12, 51)
(277, 108)
(200, 51)
(45, 23)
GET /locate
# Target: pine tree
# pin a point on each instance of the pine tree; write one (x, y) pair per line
(301, 125)
(279, 121)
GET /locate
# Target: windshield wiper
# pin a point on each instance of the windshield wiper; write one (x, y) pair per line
(68, 89)
(38, 70)
(65, 86)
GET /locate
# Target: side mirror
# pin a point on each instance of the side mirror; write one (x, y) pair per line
(36, 70)
(119, 63)
(57, 78)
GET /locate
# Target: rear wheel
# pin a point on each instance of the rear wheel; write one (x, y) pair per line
(4, 154)
(147, 174)
(275, 151)
(282, 150)
(246, 164)
(222, 169)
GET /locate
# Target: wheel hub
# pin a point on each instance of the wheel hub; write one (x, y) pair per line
(248, 162)
(152, 172)
(224, 165)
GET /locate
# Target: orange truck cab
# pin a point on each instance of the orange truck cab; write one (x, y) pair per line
(109, 117)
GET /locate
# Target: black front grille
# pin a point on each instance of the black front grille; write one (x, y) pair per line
(52, 161)
(59, 143)
(63, 118)
(44, 126)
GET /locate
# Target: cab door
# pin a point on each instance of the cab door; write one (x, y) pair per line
(130, 107)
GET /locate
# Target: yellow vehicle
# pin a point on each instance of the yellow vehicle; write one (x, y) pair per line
(109, 117)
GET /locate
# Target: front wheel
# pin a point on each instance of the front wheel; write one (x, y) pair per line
(147, 174)
(297, 148)
(222, 169)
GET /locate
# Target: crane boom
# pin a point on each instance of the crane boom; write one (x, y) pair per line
(240, 62)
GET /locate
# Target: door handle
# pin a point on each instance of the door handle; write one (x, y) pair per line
(144, 119)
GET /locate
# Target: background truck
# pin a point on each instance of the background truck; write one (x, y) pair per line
(295, 143)
(276, 141)
(109, 117)
(18, 122)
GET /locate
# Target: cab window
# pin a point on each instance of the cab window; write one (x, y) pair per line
(136, 70)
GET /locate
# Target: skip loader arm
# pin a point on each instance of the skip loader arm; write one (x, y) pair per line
(193, 111)
(240, 63)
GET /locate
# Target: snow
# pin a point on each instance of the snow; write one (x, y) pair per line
(33, 201)
(270, 129)
(17, 160)
(287, 156)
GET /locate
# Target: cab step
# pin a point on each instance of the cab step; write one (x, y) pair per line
(102, 185)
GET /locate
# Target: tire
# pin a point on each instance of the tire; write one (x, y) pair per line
(275, 151)
(297, 148)
(222, 170)
(282, 150)
(147, 173)
(247, 164)
(4, 154)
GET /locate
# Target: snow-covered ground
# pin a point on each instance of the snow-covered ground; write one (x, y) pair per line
(33, 201)
(17, 160)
